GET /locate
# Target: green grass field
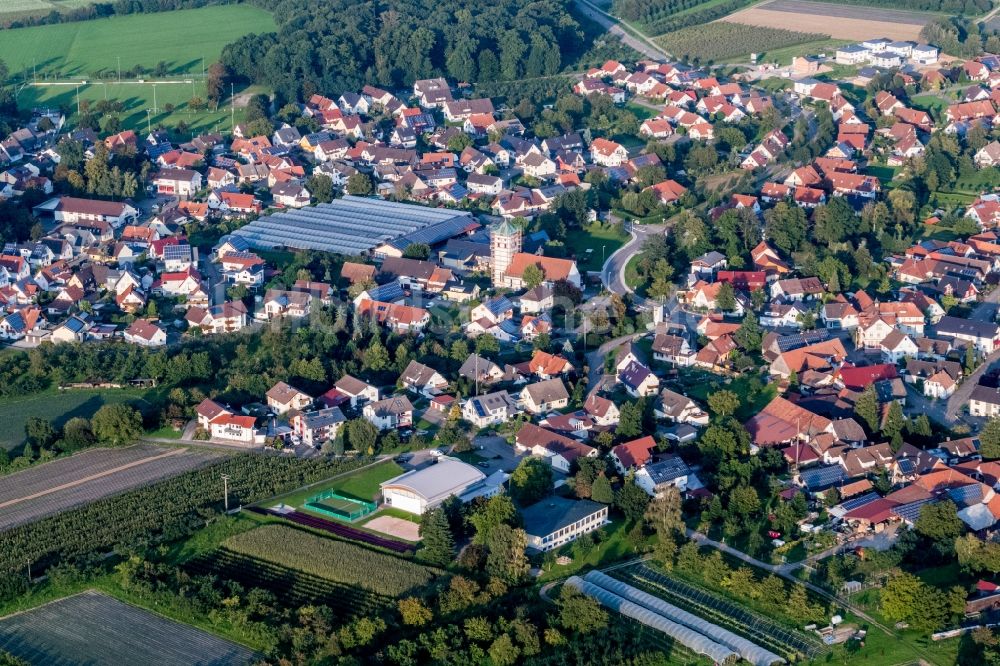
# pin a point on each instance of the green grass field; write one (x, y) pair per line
(81, 52)
(363, 484)
(57, 407)
(137, 98)
(600, 239)
(179, 38)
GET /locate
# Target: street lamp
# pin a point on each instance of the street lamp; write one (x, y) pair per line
(225, 489)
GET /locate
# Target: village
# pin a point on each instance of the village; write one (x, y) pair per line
(846, 334)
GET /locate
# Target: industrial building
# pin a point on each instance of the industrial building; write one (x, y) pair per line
(356, 226)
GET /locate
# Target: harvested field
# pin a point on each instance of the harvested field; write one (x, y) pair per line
(86, 477)
(93, 628)
(840, 21)
(395, 527)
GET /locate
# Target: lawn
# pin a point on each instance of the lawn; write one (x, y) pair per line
(783, 56)
(612, 548)
(883, 173)
(595, 244)
(699, 385)
(362, 484)
(82, 49)
(641, 111)
(931, 103)
(56, 406)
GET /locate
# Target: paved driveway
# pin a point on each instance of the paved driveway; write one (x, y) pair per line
(498, 453)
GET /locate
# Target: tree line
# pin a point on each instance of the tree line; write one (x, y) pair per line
(343, 45)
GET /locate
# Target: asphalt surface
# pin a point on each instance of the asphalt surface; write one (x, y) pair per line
(645, 47)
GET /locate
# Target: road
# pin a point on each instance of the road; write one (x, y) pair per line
(613, 273)
(611, 24)
(595, 360)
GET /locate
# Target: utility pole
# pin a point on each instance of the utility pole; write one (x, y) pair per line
(225, 489)
(232, 107)
(119, 69)
(78, 99)
(154, 98)
(149, 126)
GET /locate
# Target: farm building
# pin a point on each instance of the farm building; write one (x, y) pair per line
(356, 226)
(418, 490)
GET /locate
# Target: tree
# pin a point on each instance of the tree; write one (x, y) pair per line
(320, 186)
(580, 613)
(437, 543)
(892, 429)
(39, 432)
(866, 409)
(531, 481)
(601, 490)
(506, 559)
(76, 434)
(723, 402)
(117, 424)
(664, 515)
(939, 523)
(496, 511)
(417, 251)
(376, 357)
(785, 227)
(631, 500)
(361, 435)
(414, 613)
(905, 598)
(503, 652)
(749, 335)
(989, 439)
(533, 276)
(725, 300)
(744, 501)
(359, 184)
(630, 420)
(976, 555)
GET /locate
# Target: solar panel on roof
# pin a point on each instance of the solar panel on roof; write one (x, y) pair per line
(966, 495)
(906, 465)
(857, 502)
(910, 512)
(823, 476)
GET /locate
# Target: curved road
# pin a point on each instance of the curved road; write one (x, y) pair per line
(613, 273)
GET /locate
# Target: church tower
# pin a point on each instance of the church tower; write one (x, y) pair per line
(505, 242)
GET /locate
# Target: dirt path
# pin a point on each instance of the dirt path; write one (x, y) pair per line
(92, 477)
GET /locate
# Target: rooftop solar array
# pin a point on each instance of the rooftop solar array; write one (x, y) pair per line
(858, 502)
(822, 477)
(351, 225)
(910, 512)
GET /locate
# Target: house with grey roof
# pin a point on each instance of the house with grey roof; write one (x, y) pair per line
(422, 489)
(545, 396)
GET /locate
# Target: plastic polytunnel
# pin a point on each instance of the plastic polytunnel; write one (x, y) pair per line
(746, 649)
(699, 643)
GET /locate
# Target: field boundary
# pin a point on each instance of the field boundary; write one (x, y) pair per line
(93, 477)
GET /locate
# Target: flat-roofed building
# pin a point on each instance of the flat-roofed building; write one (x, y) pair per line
(555, 521)
(357, 226)
(419, 490)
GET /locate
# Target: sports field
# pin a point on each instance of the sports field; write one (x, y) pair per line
(86, 477)
(81, 49)
(57, 407)
(362, 484)
(93, 628)
(839, 21)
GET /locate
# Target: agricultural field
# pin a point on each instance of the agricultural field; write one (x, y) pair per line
(81, 49)
(852, 22)
(57, 407)
(92, 628)
(12, 10)
(86, 477)
(721, 41)
(337, 561)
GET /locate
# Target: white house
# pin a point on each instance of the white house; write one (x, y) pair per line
(555, 521)
(392, 412)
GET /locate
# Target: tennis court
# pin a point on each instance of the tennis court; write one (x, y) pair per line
(332, 503)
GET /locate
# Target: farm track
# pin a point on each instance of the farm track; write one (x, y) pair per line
(93, 628)
(87, 477)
